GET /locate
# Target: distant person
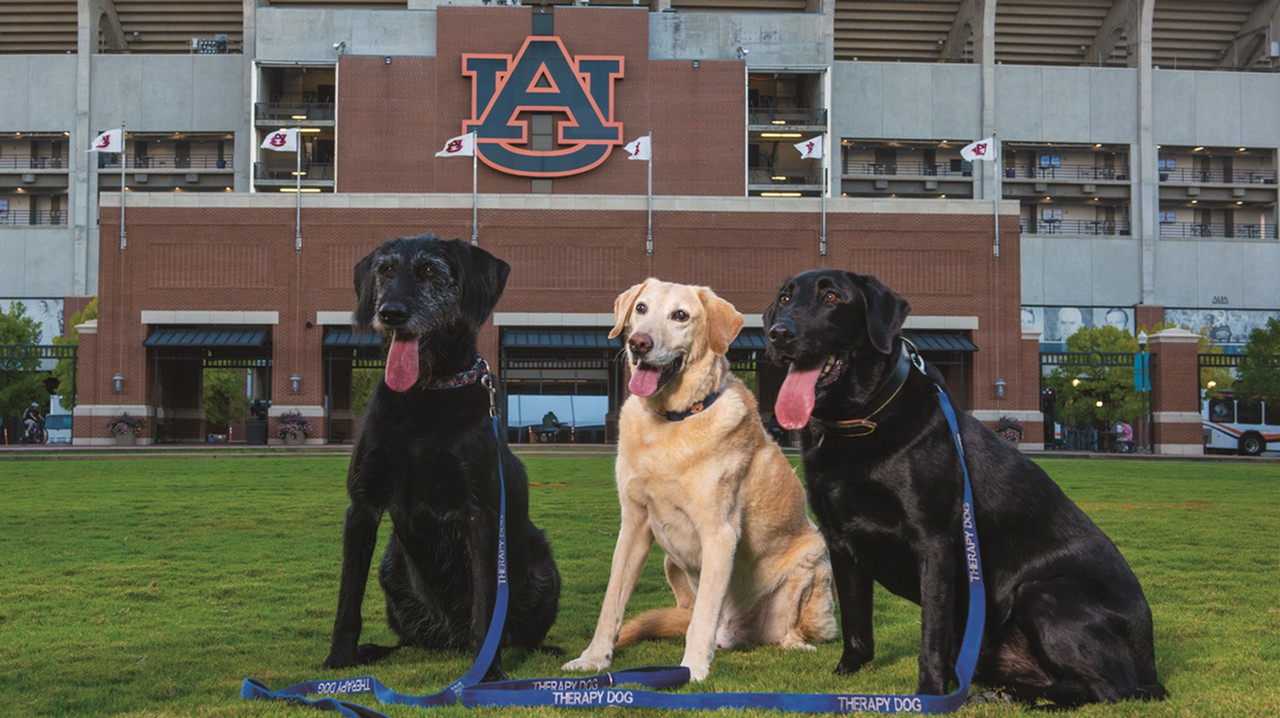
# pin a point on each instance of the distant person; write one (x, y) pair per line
(31, 419)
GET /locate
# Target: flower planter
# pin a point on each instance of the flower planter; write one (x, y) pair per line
(290, 440)
(126, 439)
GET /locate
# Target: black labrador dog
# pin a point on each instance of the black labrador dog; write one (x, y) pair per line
(1066, 618)
(428, 457)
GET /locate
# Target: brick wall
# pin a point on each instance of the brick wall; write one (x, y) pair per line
(243, 259)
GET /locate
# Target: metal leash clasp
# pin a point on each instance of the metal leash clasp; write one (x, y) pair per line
(487, 381)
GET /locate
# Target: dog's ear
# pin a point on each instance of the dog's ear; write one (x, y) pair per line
(723, 321)
(366, 298)
(886, 311)
(622, 307)
(481, 277)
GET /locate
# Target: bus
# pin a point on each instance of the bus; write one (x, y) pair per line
(1240, 426)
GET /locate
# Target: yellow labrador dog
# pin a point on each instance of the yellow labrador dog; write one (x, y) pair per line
(697, 472)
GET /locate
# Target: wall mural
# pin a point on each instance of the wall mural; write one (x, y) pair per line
(48, 314)
(1229, 328)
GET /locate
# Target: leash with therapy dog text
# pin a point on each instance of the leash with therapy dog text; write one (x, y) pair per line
(602, 690)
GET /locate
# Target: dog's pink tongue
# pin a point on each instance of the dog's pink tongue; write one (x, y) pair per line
(644, 382)
(795, 398)
(402, 365)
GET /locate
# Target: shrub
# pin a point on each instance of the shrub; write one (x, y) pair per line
(126, 423)
(1009, 428)
(292, 425)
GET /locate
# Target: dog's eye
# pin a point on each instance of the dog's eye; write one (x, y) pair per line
(784, 299)
(641, 308)
(831, 297)
(386, 268)
(680, 315)
(425, 269)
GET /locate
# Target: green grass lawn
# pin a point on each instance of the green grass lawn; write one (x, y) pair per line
(153, 586)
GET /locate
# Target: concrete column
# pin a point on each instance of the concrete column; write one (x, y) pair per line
(1145, 204)
(1175, 400)
(82, 184)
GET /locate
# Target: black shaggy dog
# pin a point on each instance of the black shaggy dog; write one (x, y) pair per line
(427, 456)
(1066, 618)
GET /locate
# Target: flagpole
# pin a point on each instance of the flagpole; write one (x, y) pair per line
(123, 236)
(475, 195)
(648, 238)
(297, 188)
(999, 170)
(822, 240)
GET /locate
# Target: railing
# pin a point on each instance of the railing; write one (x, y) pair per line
(1191, 176)
(759, 176)
(29, 218)
(194, 162)
(1099, 227)
(909, 169)
(786, 116)
(1069, 172)
(35, 162)
(1206, 229)
(314, 171)
(284, 112)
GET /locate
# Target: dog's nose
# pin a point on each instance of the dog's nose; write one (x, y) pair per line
(640, 344)
(782, 334)
(393, 312)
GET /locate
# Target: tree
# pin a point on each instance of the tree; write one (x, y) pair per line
(1081, 387)
(1259, 369)
(225, 400)
(21, 381)
(65, 370)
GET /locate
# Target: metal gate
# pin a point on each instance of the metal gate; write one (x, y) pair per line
(1092, 366)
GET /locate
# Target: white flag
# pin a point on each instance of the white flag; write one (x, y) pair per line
(980, 150)
(109, 141)
(810, 149)
(460, 146)
(282, 140)
(640, 148)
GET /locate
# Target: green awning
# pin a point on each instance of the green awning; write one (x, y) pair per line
(207, 337)
(940, 342)
(346, 337)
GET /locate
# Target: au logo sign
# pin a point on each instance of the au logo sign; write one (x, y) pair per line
(543, 78)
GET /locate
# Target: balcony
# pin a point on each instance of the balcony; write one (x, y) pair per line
(787, 117)
(284, 113)
(809, 177)
(1069, 173)
(1190, 176)
(33, 218)
(32, 162)
(273, 175)
(853, 166)
(1075, 227)
(204, 162)
(1200, 230)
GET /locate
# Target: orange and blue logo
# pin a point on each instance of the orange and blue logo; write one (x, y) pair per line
(543, 78)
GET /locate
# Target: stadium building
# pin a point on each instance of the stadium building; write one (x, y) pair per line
(1136, 183)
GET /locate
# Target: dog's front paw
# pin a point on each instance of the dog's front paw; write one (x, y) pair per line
(698, 671)
(852, 662)
(340, 659)
(588, 662)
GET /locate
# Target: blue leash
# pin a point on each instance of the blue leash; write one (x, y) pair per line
(602, 690)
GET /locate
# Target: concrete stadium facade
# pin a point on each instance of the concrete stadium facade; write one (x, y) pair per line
(397, 92)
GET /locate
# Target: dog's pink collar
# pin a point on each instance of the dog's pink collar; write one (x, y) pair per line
(465, 378)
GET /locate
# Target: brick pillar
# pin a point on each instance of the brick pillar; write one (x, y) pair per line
(1175, 394)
